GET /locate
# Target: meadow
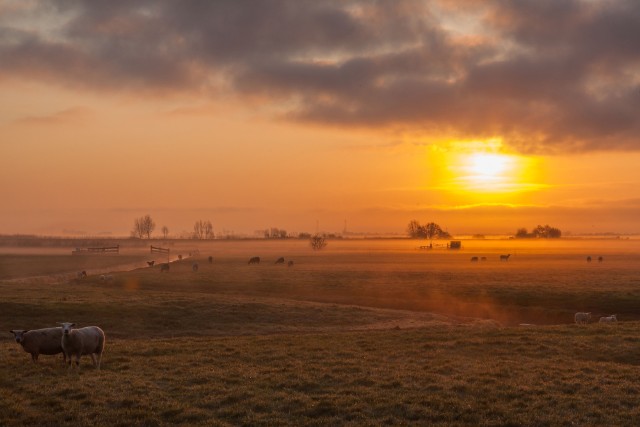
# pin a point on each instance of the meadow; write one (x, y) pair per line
(366, 332)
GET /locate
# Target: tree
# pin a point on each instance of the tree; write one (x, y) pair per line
(540, 232)
(208, 230)
(428, 231)
(546, 232)
(165, 231)
(318, 242)
(554, 233)
(203, 230)
(143, 226)
(414, 229)
(432, 230)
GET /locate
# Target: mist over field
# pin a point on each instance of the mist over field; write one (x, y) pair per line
(335, 213)
(361, 332)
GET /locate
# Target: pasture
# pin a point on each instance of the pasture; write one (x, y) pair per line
(360, 333)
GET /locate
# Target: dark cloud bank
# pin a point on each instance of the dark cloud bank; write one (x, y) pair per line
(547, 75)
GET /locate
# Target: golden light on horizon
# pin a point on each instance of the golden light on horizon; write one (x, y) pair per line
(479, 171)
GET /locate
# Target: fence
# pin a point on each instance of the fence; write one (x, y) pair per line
(159, 250)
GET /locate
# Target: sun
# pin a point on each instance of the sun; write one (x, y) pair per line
(483, 172)
(487, 167)
(487, 172)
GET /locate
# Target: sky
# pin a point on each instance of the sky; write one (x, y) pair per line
(483, 117)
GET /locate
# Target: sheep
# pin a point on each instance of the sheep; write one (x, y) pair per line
(582, 318)
(164, 267)
(589, 258)
(484, 258)
(254, 260)
(600, 259)
(82, 274)
(608, 319)
(290, 264)
(150, 263)
(78, 342)
(103, 278)
(194, 267)
(279, 261)
(505, 257)
(40, 341)
(474, 259)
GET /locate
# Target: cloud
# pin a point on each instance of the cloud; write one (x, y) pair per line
(69, 115)
(546, 76)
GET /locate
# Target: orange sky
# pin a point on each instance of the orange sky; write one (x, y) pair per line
(300, 115)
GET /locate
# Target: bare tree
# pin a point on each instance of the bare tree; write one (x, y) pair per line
(198, 229)
(432, 230)
(165, 231)
(428, 231)
(208, 230)
(203, 230)
(143, 226)
(318, 242)
(415, 230)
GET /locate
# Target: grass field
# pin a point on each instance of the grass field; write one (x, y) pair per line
(361, 333)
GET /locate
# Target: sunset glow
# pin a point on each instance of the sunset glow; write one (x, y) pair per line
(304, 115)
(488, 171)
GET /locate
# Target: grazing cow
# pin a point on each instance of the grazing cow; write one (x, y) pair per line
(505, 257)
(474, 259)
(589, 259)
(582, 318)
(609, 319)
(290, 264)
(82, 274)
(279, 261)
(254, 260)
(484, 258)
(164, 267)
(600, 259)
(150, 263)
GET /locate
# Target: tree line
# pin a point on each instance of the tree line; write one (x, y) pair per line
(429, 231)
(144, 226)
(540, 232)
